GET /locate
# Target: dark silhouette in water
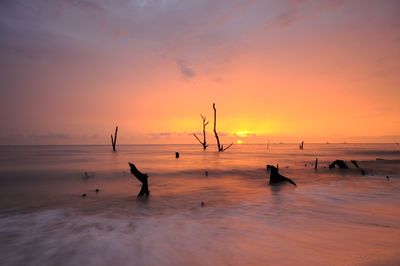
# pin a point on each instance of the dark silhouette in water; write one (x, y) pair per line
(316, 164)
(276, 178)
(301, 146)
(114, 139)
(177, 155)
(358, 167)
(203, 143)
(83, 195)
(355, 163)
(339, 163)
(342, 165)
(143, 178)
(219, 146)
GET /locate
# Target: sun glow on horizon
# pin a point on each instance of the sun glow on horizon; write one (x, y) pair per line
(243, 133)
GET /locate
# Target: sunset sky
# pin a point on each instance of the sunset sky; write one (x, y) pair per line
(71, 70)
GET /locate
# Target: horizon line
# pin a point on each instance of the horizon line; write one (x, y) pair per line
(194, 144)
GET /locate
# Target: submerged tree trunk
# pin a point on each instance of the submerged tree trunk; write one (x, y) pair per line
(114, 139)
(143, 178)
(203, 143)
(219, 146)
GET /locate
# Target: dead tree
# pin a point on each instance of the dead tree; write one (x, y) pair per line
(114, 139)
(203, 143)
(143, 178)
(220, 147)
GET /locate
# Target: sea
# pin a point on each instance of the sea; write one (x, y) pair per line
(204, 208)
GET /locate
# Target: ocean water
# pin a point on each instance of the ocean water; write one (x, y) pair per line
(333, 217)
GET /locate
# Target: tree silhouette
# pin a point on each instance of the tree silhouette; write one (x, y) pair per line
(203, 143)
(220, 147)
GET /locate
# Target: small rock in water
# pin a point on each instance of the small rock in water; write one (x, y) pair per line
(97, 190)
(362, 172)
(83, 195)
(202, 204)
(387, 177)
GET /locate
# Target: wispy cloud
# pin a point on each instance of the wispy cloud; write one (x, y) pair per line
(168, 134)
(186, 70)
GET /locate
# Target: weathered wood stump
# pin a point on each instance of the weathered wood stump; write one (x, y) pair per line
(276, 178)
(143, 178)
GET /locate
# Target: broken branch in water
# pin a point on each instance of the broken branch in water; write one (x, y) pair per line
(342, 165)
(339, 163)
(301, 146)
(114, 139)
(143, 178)
(276, 178)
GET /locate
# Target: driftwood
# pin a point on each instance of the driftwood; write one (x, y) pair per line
(114, 139)
(357, 166)
(143, 178)
(342, 165)
(339, 163)
(219, 146)
(355, 163)
(203, 143)
(276, 178)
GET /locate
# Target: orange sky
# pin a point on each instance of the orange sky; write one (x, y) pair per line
(282, 70)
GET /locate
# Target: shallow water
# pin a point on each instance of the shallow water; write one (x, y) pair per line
(333, 217)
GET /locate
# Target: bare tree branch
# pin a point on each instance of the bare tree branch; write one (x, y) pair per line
(228, 147)
(219, 146)
(203, 143)
(198, 139)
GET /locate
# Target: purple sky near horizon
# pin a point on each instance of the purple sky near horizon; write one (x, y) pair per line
(71, 70)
